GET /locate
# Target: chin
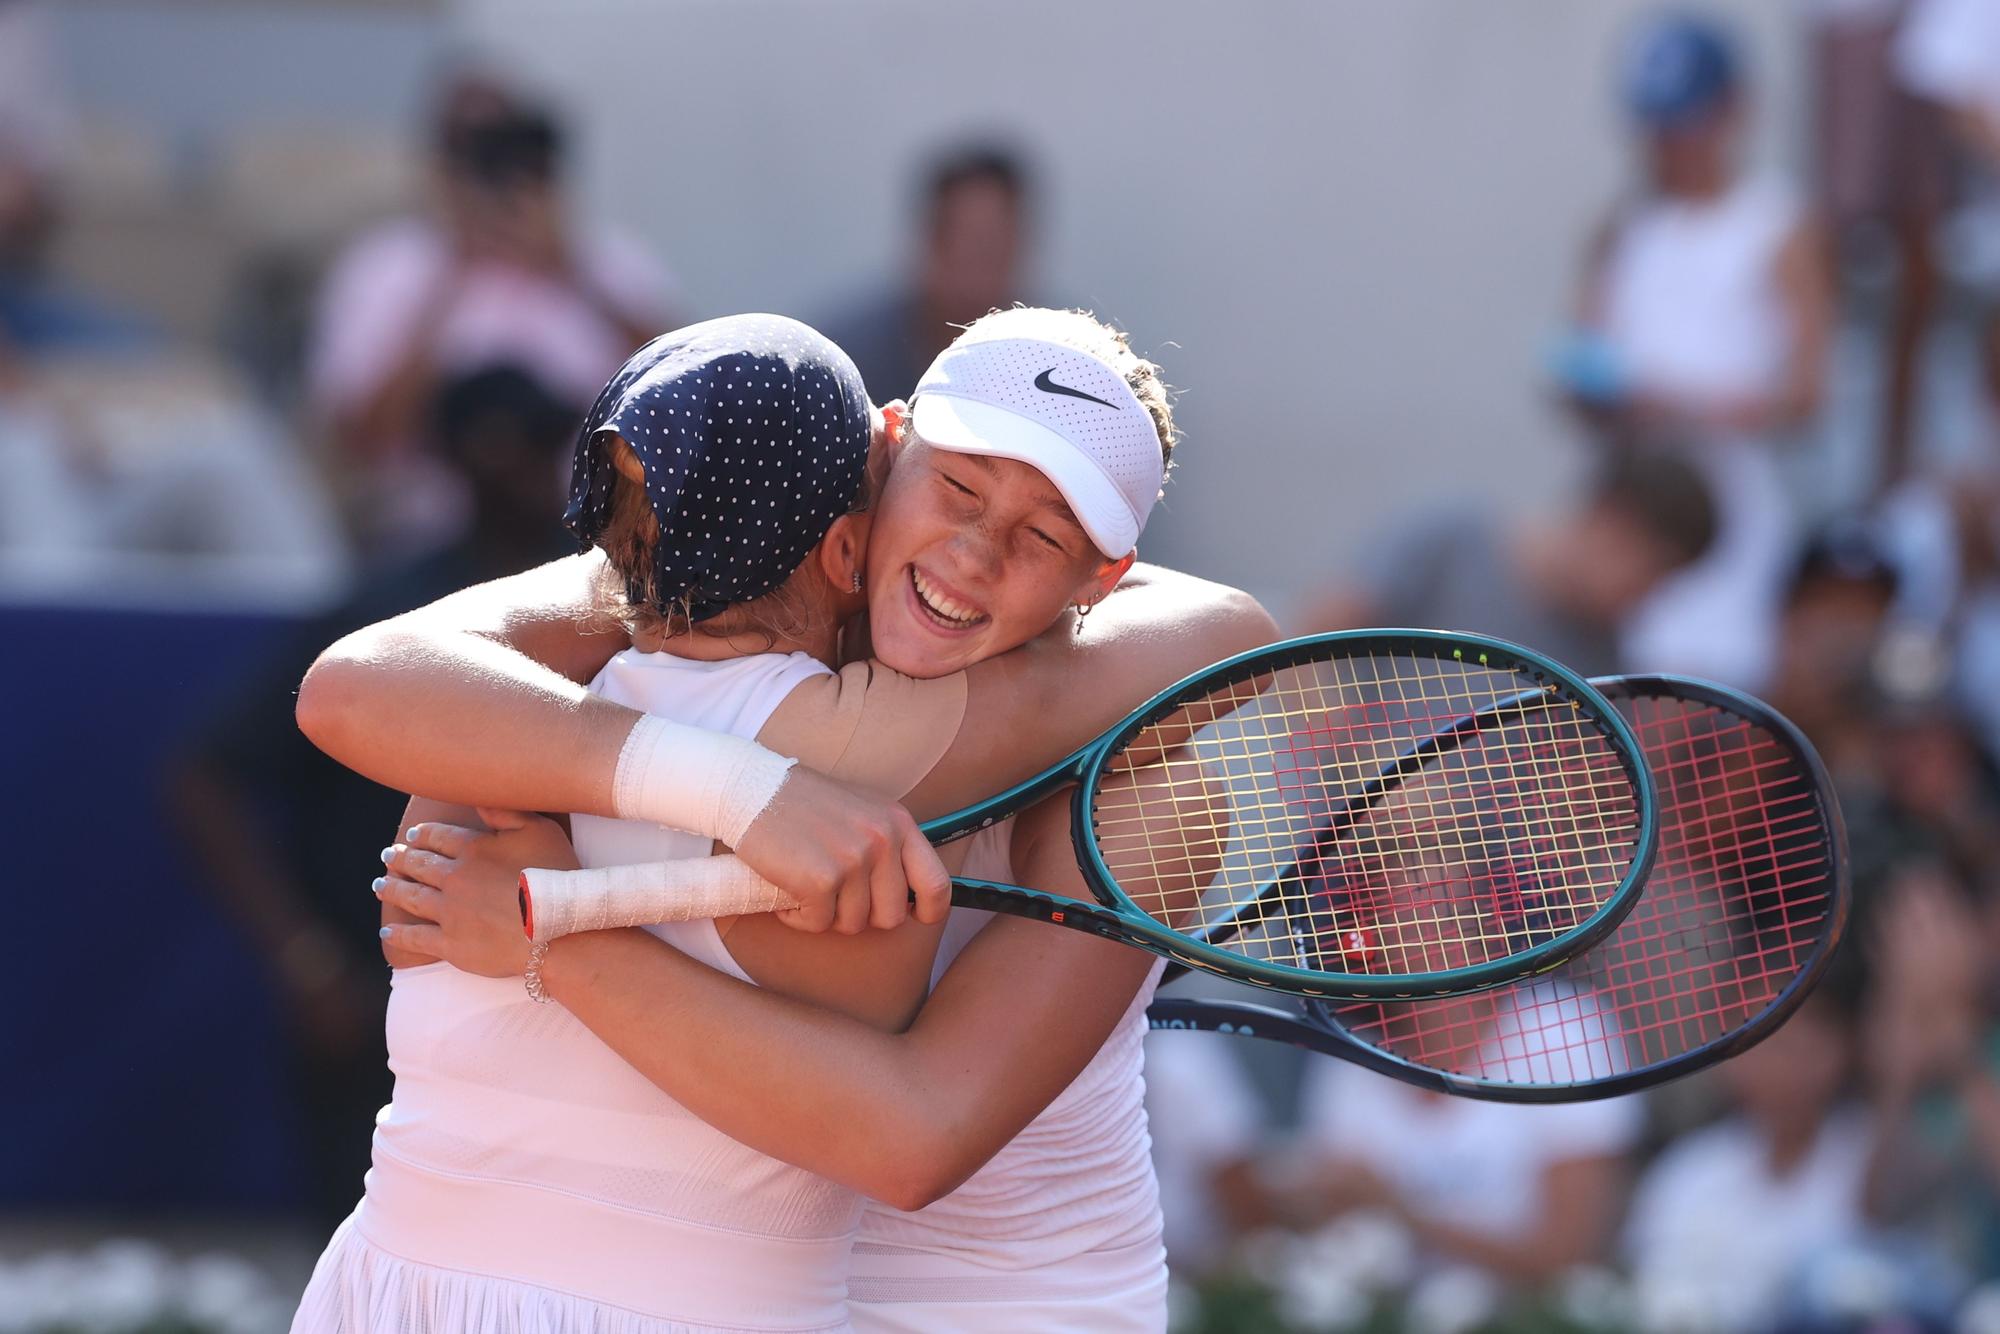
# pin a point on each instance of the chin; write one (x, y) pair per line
(924, 663)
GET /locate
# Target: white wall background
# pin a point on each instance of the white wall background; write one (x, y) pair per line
(1346, 227)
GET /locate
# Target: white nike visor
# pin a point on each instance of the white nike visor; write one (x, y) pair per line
(1063, 412)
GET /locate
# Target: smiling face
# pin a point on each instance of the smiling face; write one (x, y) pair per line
(971, 556)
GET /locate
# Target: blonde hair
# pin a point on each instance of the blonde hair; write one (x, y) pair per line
(1086, 333)
(628, 591)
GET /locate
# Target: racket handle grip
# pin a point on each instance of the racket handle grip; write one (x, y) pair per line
(559, 903)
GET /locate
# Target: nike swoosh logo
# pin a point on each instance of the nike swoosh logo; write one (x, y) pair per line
(1048, 386)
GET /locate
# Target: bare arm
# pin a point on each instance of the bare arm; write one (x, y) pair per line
(904, 1118)
(1029, 708)
(450, 699)
(447, 699)
(1578, 1208)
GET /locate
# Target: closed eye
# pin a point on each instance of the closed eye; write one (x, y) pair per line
(955, 484)
(1052, 542)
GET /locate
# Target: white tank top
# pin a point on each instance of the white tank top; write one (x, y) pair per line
(521, 1147)
(1067, 1210)
(1690, 301)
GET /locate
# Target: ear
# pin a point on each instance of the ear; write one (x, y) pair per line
(1106, 576)
(843, 552)
(895, 426)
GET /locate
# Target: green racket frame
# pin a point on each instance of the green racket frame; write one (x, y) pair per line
(1117, 917)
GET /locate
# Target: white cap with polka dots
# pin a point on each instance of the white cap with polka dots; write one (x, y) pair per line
(1061, 411)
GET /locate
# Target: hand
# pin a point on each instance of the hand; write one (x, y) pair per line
(465, 884)
(849, 860)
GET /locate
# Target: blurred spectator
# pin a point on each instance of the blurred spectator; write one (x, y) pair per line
(1206, 1120)
(1949, 55)
(153, 478)
(1831, 630)
(1934, 1057)
(40, 313)
(495, 272)
(1702, 299)
(287, 836)
(1704, 312)
(1564, 585)
(1725, 1220)
(1884, 178)
(977, 204)
(1524, 1193)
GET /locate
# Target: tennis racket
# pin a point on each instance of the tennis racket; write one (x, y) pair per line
(1490, 811)
(1746, 901)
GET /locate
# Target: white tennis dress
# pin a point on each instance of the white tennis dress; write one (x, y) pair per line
(526, 1180)
(1060, 1231)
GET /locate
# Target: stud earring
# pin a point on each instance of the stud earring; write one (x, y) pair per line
(855, 583)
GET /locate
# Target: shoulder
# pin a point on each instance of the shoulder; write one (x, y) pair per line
(868, 724)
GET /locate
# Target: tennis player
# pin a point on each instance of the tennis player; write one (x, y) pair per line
(1065, 1220)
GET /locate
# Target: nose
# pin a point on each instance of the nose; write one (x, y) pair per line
(977, 554)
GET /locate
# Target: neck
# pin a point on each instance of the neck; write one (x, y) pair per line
(710, 646)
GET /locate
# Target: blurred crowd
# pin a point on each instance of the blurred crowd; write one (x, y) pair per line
(382, 409)
(1844, 1175)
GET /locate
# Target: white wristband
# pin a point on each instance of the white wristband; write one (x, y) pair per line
(708, 783)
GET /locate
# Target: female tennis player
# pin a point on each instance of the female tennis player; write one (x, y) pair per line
(1065, 1219)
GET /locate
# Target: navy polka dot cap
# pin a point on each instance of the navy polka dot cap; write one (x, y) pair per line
(753, 431)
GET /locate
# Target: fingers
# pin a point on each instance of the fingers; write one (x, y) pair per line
(813, 917)
(888, 891)
(413, 938)
(413, 863)
(449, 840)
(853, 903)
(416, 899)
(930, 883)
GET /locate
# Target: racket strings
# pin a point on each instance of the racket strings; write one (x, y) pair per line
(1736, 905)
(1387, 813)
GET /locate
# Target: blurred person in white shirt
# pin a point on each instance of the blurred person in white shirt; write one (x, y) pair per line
(1883, 179)
(1728, 1217)
(1207, 1122)
(1523, 1192)
(495, 272)
(1704, 315)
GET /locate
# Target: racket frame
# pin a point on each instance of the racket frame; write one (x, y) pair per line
(1116, 917)
(1314, 1030)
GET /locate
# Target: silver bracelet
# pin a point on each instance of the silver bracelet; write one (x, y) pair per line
(537, 952)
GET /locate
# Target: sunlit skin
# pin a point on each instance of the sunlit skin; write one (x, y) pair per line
(969, 557)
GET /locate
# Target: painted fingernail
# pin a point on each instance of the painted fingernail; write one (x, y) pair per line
(386, 932)
(381, 882)
(388, 854)
(412, 832)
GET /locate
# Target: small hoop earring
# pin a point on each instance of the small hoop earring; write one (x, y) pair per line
(1084, 609)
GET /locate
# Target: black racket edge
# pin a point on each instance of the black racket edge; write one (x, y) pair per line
(1313, 1030)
